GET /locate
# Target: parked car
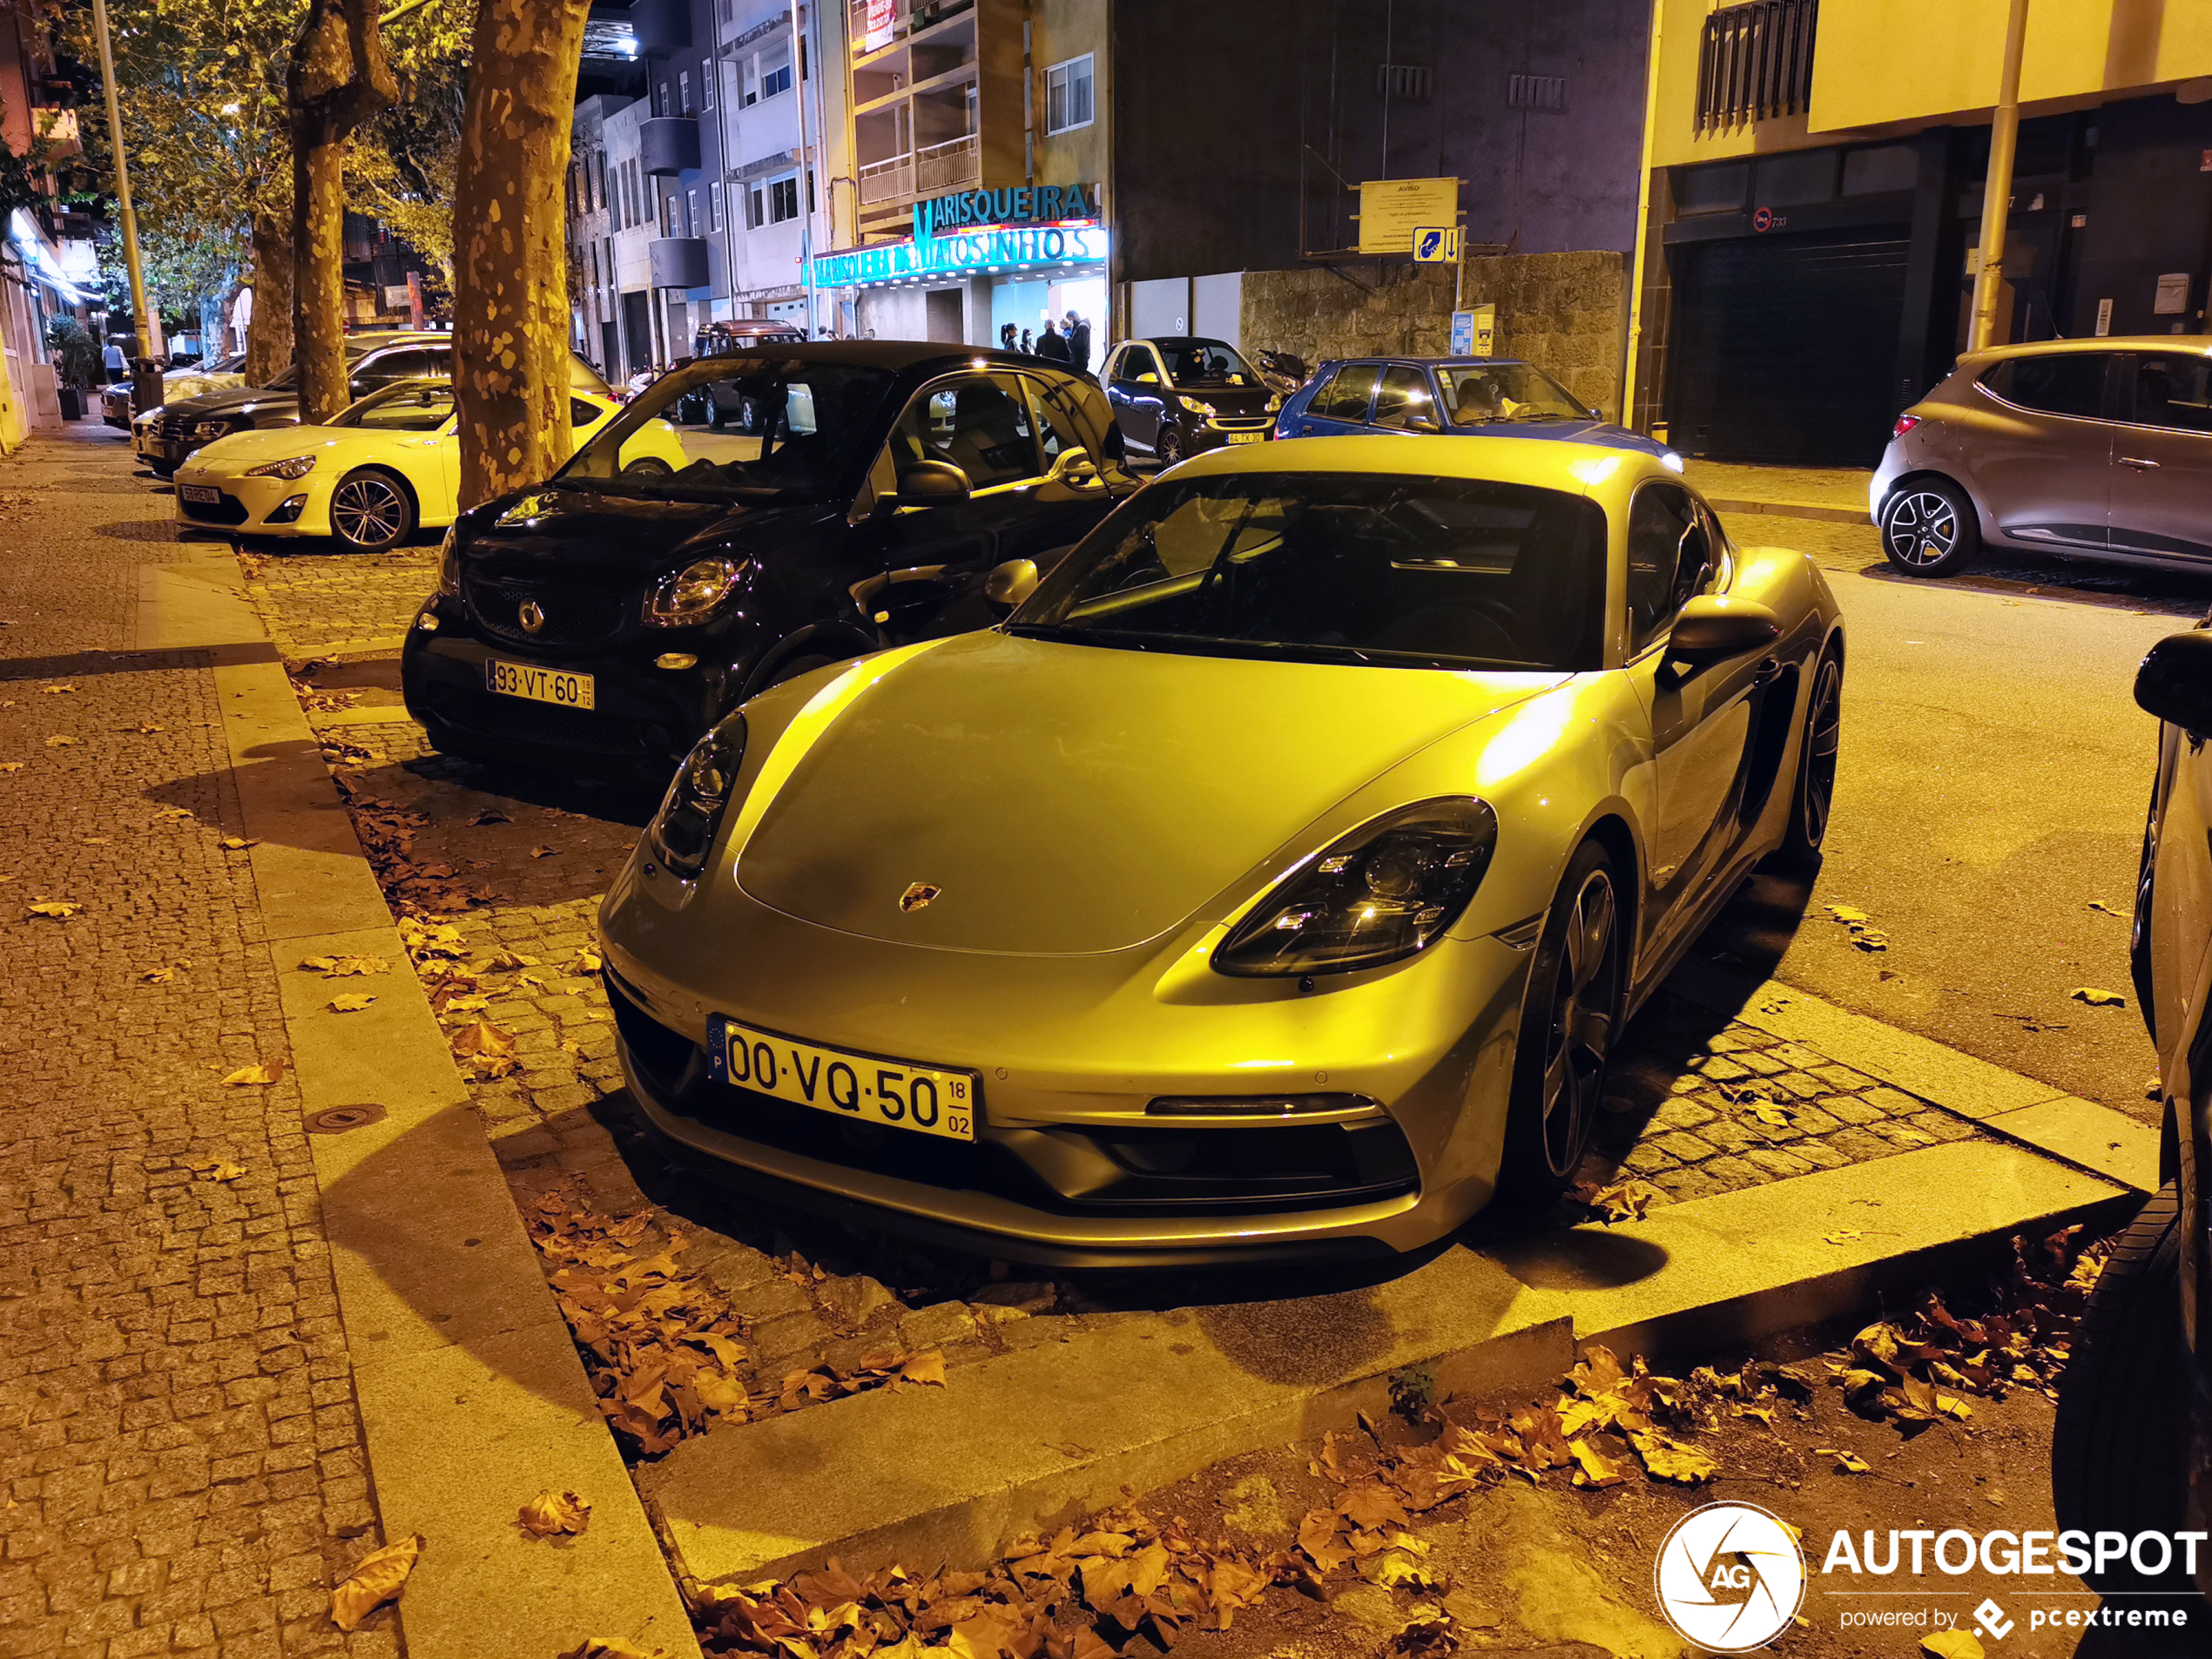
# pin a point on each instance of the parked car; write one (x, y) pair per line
(184, 425)
(2132, 1447)
(116, 400)
(2092, 448)
(896, 491)
(389, 465)
(703, 407)
(1418, 767)
(1455, 396)
(1181, 395)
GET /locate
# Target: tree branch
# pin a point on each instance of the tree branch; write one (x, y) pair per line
(401, 11)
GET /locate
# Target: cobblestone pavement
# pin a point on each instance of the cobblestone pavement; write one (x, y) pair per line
(182, 1458)
(1703, 1106)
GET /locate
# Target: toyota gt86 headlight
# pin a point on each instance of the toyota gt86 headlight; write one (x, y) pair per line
(689, 813)
(1378, 894)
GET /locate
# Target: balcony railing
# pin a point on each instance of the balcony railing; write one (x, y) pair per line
(888, 181)
(949, 165)
(1755, 61)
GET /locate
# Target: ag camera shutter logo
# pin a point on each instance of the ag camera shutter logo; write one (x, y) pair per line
(1730, 1577)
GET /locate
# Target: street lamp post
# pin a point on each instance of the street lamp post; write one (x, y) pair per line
(146, 390)
(1997, 191)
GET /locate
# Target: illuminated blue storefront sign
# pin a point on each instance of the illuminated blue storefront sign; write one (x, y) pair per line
(1019, 206)
(961, 252)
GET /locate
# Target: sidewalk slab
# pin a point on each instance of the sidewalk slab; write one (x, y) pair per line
(1814, 511)
(1027, 1439)
(472, 1397)
(2091, 1134)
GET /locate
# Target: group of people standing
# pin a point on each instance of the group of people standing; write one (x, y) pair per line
(1064, 341)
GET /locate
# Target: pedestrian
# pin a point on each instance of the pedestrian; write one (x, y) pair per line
(118, 365)
(1025, 347)
(1006, 337)
(1078, 342)
(1050, 346)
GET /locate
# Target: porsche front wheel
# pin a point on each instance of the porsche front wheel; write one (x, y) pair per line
(1813, 799)
(1569, 1017)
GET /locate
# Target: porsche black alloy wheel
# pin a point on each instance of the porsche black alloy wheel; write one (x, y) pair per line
(1813, 800)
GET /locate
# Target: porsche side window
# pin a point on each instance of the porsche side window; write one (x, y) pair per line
(978, 423)
(580, 413)
(1662, 520)
(1057, 430)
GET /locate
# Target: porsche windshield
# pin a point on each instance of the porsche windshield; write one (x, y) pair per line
(752, 423)
(1337, 566)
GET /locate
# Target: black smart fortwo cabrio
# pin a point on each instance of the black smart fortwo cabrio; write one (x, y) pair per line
(881, 492)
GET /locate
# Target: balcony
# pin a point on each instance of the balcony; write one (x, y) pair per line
(888, 181)
(668, 144)
(677, 261)
(871, 25)
(931, 171)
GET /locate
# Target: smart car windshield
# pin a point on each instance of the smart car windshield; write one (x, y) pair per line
(1205, 362)
(1334, 567)
(796, 428)
(1485, 392)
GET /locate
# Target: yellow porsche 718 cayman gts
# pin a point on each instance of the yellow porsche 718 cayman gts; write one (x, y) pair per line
(1271, 884)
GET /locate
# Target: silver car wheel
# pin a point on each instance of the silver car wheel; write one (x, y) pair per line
(1920, 527)
(368, 510)
(1585, 1001)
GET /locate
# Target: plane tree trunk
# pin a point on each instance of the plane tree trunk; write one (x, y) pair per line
(338, 78)
(510, 287)
(268, 330)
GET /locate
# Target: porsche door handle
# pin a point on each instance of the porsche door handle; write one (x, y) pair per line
(1768, 669)
(2141, 463)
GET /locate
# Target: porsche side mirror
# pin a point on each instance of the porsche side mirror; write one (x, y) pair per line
(1011, 582)
(1074, 468)
(1713, 627)
(2175, 681)
(932, 484)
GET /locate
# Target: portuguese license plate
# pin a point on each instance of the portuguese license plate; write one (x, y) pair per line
(207, 494)
(863, 1087)
(539, 684)
(1247, 437)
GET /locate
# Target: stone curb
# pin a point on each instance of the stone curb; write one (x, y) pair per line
(471, 1395)
(1789, 509)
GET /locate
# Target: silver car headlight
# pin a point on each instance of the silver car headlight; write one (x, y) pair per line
(684, 829)
(1382, 893)
(296, 466)
(693, 592)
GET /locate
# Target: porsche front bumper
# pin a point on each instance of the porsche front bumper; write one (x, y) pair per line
(1075, 1164)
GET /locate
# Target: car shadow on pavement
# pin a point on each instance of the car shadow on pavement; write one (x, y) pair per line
(2147, 587)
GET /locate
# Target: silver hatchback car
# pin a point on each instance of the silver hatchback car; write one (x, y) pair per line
(2096, 449)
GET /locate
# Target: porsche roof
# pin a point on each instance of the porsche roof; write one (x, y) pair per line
(1583, 469)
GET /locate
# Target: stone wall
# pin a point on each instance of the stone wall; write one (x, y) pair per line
(1563, 311)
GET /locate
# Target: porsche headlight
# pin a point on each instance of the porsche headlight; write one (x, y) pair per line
(1385, 891)
(683, 830)
(449, 563)
(1194, 405)
(693, 592)
(296, 466)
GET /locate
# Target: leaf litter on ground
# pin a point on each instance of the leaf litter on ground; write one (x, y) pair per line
(551, 1513)
(378, 1577)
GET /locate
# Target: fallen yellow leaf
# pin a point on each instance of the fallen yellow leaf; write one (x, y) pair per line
(61, 743)
(379, 1579)
(552, 1512)
(2097, 999)
(1596, 1469)
(11, 765)
(157, 976)
(255, 1077)
(1953, 1644)
(217, 1170)
(55, 909)
(175, 812)
(610, 1648)
(1846, 1462)
(1843, 1234)
(1669, 1459)
(349, 1004)
(585, 962)
(345, 967)
(240, 843)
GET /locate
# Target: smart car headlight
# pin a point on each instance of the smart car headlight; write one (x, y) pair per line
(1380, 893)
(296, 466)
(1194, 405)
(683, 830)
(694, 591)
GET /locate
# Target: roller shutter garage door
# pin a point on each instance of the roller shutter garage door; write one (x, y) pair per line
(1783, 347)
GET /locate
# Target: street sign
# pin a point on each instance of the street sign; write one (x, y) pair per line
(1436, 245)
(1392, 209)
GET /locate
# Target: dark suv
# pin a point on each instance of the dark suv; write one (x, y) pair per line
(2132, 1451)
(892, 492)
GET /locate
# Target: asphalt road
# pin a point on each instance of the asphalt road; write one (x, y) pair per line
(1989, 798)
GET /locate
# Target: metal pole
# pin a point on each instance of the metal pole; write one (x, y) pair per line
(799, 62)
(1996, 193)
(1637, 266)
(146, 389)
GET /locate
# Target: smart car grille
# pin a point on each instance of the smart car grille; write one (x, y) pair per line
(229, 510)
(573, 615)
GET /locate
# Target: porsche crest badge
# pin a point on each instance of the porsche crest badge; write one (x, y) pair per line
(917, 896)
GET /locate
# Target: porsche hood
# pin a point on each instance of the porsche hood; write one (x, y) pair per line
(1067, 799)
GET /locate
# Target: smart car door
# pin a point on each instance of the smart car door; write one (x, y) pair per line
(1701, 718)
(2161, 457)
(2041, 457)
(1137, 390)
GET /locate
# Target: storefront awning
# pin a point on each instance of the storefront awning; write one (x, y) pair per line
(41, 257)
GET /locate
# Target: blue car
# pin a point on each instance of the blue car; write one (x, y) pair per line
(1449, 396)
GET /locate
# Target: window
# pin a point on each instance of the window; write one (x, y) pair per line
(1060, 427)
(1668, 559)
(1345, 398)
(756, 208)
(403, 408)
(582, 413)
(979, 423)
(1403, 401)
(664, 108)
(714, 204)
(690, 212)
(684, 90)
(2172, 391)
(1067, 95)
(1136, 361)
(707, 78)
(1755, 61)
(782, 199)
(2059, 384)
(775, 78)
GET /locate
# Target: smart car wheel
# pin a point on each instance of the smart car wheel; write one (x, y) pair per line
(2120, 1448)
(1813, 798)
(1577, 987)
(1929, 529)
(370, 511)
(1169, 448)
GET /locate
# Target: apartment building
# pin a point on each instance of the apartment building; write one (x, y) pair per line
(1815, 198)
